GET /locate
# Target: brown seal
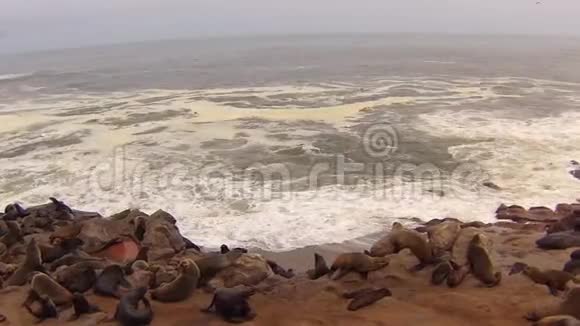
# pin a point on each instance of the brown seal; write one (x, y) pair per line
(279, 270)
(82, 306)
(401, 238)
(129, 312)
(366, 298)
(443, 236)
(59, 248)
(456, 276)
(140, 275)
(481, 264)
(110, 280)
(44, 285)
(32, 263)
(441, 272)
(41, 307)
(356, 262)
(232, 305)
(320, 268)
(69, 231)
(210, 265)
(76, 278)
(182, 287)
(555, 280)
(13, 234)
(569, 306)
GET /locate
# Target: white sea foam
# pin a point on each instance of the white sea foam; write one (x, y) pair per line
(6, 77)
(526, 158)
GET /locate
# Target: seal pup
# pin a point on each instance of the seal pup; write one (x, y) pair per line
(555, 280)
(356, 262)
(182, 287)
(32, 263)
(110, 280)
(82, 306)
(320, 268)
(41, 307)
(232, 305)
(278, 270)
(569, 306)
(129, 313)
(481, 264)
(560, 320)
(366, 298)
(44, 285)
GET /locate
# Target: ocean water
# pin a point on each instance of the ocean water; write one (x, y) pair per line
(292, 141)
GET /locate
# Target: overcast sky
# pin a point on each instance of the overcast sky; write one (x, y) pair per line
(41, 24)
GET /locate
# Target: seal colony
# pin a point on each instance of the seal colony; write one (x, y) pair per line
(68, 268)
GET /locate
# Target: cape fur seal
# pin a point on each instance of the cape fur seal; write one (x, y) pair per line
(368, 297)
(401, 238)
(555, 280)
(480, 262)
(110, 280)
(32, 263)
(232, 305)
(129, 313)
(44, 285)
(41, 307)
(182, 287)
(210, 265)
(569, 306)
(77, 278)
(13, 234)
(278, 270)
(356, 262)
(82, 306)
(13, 212)
(320, 268)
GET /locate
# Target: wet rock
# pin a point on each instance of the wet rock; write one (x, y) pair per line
(540, 227)
(459, 250)
(520, 214)
(249, 270)
(560, 240)
(99, 232)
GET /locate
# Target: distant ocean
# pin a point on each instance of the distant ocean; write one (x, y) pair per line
(285, 142)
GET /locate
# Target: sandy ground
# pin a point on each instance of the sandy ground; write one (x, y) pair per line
(415, 301)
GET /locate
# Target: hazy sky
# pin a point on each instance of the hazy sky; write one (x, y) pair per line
(39, 24)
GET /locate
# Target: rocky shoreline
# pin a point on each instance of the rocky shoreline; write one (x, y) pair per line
(91, 261)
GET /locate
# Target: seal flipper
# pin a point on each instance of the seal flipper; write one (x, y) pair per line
(211, 305)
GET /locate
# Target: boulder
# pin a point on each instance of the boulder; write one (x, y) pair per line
(249, 270)
(519, 214)
(97, 233)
